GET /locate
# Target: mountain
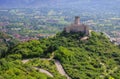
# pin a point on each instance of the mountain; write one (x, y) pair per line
(93, 58)
(56, 3)
(99, 6)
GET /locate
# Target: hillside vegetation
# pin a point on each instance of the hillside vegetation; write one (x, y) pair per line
(95, 58)
(6, 42)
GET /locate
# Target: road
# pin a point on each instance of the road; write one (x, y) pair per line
(61, 69)
(43, 71)
(57, 64)
(37, 68)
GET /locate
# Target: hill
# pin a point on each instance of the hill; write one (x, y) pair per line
(6, 41)
(95, 58)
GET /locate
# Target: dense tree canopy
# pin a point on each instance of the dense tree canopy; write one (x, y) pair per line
(94, 58)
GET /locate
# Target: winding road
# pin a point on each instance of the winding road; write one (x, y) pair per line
(43, 71)
(57, 64)
(61, 69)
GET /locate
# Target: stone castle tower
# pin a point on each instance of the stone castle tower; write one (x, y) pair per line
(77, 27)
(77, 20)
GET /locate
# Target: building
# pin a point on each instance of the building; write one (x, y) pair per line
(77, 27)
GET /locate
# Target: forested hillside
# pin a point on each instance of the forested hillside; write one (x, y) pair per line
(6, 42)
(95, 58)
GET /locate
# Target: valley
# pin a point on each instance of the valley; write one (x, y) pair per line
(28, 24)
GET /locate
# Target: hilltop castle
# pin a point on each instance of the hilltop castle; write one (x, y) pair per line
(77, 27)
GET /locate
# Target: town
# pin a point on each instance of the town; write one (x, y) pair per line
(27, 24)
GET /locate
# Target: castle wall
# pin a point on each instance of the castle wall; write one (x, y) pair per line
(77, 27)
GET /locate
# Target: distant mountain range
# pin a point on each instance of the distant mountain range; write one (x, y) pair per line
(98, 6)
(56, 3)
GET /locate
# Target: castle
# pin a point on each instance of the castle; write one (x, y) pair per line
(77, 27)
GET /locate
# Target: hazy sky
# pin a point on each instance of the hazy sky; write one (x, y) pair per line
(39, 3)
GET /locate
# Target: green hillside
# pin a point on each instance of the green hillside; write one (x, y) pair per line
(95, 58)
(6, 42)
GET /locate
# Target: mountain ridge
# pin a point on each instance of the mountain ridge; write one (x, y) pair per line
(55, 3)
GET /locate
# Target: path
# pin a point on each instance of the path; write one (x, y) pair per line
(37, 68)
(60, 69)
(57, 64)
(25, 61)
(43, 71)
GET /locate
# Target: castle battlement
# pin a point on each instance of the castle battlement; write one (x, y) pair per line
(77, 27)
